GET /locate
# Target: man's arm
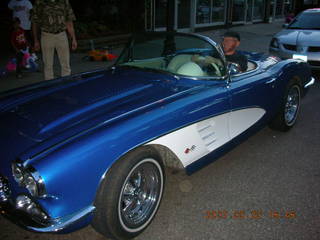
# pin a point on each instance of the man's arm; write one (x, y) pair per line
(243, 63)
(35, 25)
(29, 5)
(205, 60)
(72, 35)
(13, 43)
(35, 36)
(10, 5)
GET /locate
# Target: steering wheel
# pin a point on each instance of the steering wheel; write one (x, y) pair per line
(215, 66)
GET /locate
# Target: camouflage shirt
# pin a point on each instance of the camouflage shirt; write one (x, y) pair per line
(51, 15)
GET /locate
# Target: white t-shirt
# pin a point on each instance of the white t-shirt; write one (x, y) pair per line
(21, 10)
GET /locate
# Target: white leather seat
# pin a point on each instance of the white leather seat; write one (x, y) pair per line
(190, 69)
(178, 61)
(251, 66)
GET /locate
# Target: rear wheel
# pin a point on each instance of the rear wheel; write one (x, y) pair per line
(290, 107)
(130, 195)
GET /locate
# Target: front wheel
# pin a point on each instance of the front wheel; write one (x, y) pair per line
(130, 195)
(290, 107)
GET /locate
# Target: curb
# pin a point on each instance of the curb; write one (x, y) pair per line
(85, 45)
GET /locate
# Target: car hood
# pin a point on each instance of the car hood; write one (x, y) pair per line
(299, 37)
(80, 103)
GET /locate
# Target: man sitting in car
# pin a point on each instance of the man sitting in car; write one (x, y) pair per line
(231, 40)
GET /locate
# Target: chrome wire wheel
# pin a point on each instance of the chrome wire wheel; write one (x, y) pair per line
(292, 105)
(140, 195)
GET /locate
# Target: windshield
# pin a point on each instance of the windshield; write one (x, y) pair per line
(174, 53)
(307, 20)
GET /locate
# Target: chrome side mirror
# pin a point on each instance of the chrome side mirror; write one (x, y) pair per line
(233, 68)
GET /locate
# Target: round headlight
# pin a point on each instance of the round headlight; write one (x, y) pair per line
(274, 43)
(28, 178)
(31, 184)
(17, 172)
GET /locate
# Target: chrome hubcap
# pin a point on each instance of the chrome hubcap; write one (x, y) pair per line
(292, 105)
(140, 194)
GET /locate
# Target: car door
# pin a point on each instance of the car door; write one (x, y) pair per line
(207, 108)
(251, 99)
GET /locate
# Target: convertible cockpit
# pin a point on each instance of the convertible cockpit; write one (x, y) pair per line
(190, 56)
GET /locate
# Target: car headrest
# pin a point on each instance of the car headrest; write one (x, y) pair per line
(178, 61)
(190, 69)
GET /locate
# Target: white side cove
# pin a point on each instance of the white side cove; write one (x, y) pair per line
(241, 120)
(197, 140)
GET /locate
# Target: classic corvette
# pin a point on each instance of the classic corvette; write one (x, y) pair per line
(93, 148)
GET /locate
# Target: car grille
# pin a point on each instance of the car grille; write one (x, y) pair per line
(4, 189)
(294, 48)
(290, 47)
(314, 49)
(314, 63)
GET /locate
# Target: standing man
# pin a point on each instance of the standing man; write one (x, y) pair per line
(21, 10)
(54, 18)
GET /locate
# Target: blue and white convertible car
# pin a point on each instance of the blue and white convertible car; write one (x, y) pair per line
(93, 148)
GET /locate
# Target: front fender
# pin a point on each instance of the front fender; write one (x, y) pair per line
(283, 72)
(73, 171)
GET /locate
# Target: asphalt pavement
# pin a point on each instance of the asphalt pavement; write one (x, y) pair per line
(267, 188)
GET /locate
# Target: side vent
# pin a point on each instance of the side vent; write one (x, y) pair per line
(207, 134)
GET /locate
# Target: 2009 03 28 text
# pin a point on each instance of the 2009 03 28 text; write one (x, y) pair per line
(253, 214)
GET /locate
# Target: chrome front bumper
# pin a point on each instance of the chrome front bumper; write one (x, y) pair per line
(60, 224)
(23, 219)
(313, 62)
(310, 83)
(4, 190)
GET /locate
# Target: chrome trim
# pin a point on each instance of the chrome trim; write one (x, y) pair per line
(59, 224)
(4, 189)
(41, 190)
(29, 171)
(140, 195)
(18, 167)
(194, 35)
(271, 80)
(26, 204)
(250, 71)
(292, 105)
(311, 82)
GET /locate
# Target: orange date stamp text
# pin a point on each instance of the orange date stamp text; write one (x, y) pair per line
(251, 214)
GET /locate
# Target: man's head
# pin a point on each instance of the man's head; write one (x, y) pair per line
(231, 40)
